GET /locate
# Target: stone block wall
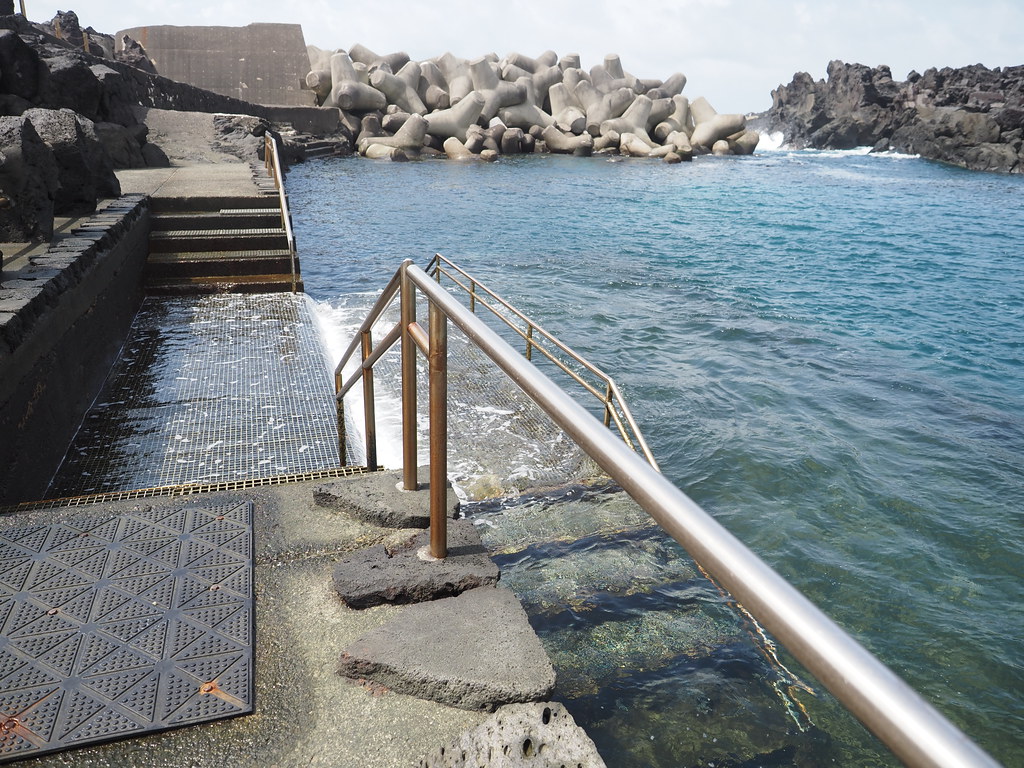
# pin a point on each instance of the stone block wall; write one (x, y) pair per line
(63, 319)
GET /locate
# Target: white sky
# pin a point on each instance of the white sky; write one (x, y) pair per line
(733, 52)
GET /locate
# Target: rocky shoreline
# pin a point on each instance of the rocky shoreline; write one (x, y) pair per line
(972, 117)
(73, 105)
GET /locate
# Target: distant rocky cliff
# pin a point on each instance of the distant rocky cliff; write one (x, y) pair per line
(972, 117)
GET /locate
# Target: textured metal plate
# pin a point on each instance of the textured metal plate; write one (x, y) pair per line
(124, 626)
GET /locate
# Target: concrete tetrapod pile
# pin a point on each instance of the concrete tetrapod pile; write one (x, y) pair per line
(401, 109)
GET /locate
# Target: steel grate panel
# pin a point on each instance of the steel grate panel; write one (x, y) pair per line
(182, 490)
(124, 626)
(206, 390)
(179, 233)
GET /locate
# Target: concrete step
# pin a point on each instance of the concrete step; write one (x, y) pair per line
(322, 148)
(226, 218)
(198, 240)
(211, 203)
(176, 265)
(278, 283)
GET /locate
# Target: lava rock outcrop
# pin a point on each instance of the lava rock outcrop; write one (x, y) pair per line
(972, 117)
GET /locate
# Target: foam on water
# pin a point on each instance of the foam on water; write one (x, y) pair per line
(771, 142)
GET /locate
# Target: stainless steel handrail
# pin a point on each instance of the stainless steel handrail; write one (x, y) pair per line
(272, 161)
(908, 725)
(616, 410)
(608, 395)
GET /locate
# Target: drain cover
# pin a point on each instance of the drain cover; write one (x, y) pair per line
(124, 626)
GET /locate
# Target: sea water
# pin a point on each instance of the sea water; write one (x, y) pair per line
(825, 351)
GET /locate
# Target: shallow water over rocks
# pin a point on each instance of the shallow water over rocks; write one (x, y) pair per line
(823, 350)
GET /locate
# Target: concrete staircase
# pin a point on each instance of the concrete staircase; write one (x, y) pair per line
(219, 244)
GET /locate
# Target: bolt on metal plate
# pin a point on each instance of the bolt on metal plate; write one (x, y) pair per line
(124, 626)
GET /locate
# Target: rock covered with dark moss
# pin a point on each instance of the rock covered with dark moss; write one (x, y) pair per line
(972, 117)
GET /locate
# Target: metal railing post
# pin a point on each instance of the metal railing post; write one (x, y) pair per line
(339, 406)
(438, 367)
(529, 342)
(409, 446)
(369, 414)
(608, 406)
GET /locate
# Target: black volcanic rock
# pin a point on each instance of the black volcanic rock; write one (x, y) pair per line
(121, 145)
(972, 117)
(21, 70)
(28, 183)
(72, 84)
(132, 53)
(84, 168)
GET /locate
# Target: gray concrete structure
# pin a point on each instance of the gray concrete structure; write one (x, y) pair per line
(378, 499)
(476, 651)
(65, 307)
(260, 63)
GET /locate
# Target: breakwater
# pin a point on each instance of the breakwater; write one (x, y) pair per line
(398, 108)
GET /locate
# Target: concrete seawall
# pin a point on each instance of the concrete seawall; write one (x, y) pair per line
(64, 313)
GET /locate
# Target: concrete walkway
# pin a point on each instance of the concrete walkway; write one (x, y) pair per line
(306, 713)
(191, 180)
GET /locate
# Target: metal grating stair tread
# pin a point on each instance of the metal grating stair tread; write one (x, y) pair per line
(179, 256)
(248, 211)
(213, 284)
(205, 233)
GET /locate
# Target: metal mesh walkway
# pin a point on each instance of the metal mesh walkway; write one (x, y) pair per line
(208, 389)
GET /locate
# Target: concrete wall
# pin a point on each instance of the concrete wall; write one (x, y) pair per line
(261, 63)
(63, 320)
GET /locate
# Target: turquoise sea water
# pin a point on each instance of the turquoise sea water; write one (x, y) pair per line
(825, 350)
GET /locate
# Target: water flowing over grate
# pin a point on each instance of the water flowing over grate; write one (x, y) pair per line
(208, 390)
